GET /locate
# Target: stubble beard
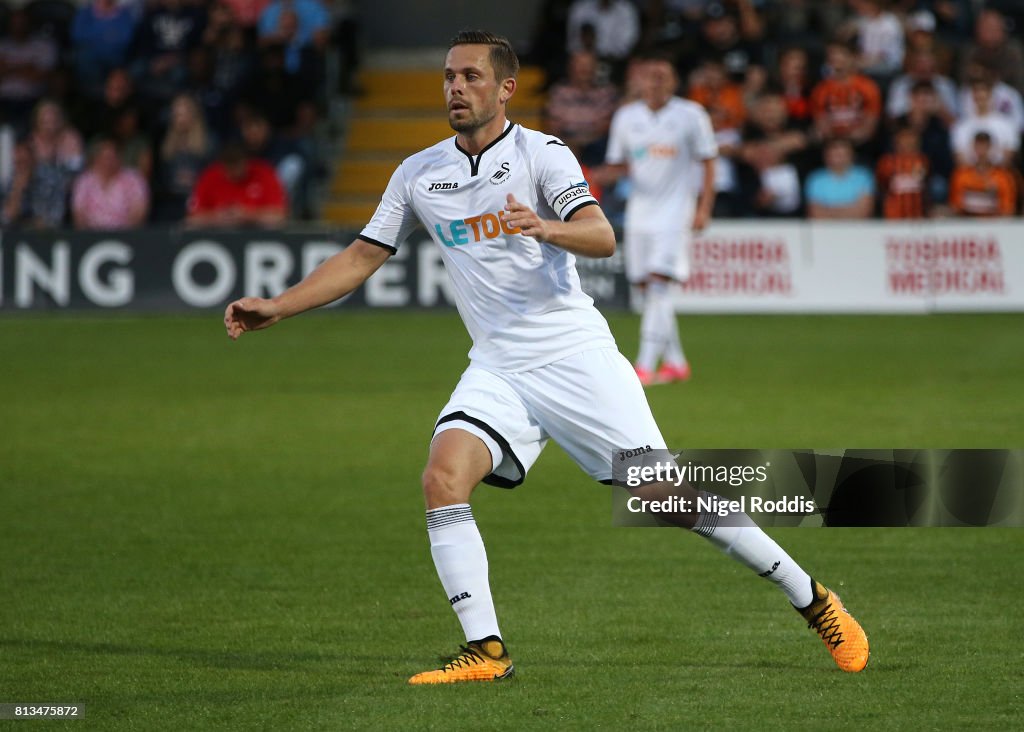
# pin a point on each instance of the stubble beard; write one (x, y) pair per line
(470, 123)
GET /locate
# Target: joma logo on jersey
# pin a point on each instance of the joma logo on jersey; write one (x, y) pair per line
(474, 229)
(443, 187)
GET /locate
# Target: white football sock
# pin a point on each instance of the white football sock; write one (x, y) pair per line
(749, 545)
(674, 355)
(654, 324)
(461, 562)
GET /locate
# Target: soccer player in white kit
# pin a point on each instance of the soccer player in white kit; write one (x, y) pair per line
(664, 143)
(509, 208)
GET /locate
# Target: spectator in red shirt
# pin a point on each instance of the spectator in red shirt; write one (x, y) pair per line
(237, 191)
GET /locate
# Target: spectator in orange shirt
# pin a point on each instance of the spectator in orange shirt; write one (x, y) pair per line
(924, 119)
(237, 191)
(723, 98)
(983, 189)
(902, 175)
(846, 104)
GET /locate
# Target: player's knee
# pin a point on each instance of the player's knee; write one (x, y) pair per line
(443, 486)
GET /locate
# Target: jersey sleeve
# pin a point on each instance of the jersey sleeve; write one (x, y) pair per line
(560, 179)
(394, 218)
(616, 152)
(703, 139)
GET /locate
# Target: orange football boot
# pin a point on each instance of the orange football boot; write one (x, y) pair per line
(483, 660)
(843, 636)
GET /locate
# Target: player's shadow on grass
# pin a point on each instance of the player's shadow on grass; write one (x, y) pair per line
(229, 659)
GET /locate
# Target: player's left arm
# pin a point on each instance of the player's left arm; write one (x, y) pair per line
(704, 147)
(586, 232)
(706, 199)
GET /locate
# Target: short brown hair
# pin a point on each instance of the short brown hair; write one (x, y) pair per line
(503, 58)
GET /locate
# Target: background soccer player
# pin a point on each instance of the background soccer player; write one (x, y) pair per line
(664, 143)
(509, 208)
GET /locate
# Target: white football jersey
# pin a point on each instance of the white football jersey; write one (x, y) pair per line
(662, 150)
(520, 299)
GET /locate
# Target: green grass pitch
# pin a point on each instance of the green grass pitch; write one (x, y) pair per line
(199, 534)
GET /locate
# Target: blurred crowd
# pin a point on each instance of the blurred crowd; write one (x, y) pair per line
(821, 108)
(118, 113)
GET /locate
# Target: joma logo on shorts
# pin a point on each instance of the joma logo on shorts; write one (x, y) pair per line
(474, 229)
(443, 186)
(635, 452)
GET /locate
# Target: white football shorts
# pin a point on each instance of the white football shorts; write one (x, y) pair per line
(590, 403)
(663, 252)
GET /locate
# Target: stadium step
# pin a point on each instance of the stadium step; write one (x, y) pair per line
(421, 90)
(350, 213)
(400, 136)
(362, 177)
(400, 112)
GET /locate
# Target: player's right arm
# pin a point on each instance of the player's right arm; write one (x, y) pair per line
(339, 275)
(608, 174)
(332, 280)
